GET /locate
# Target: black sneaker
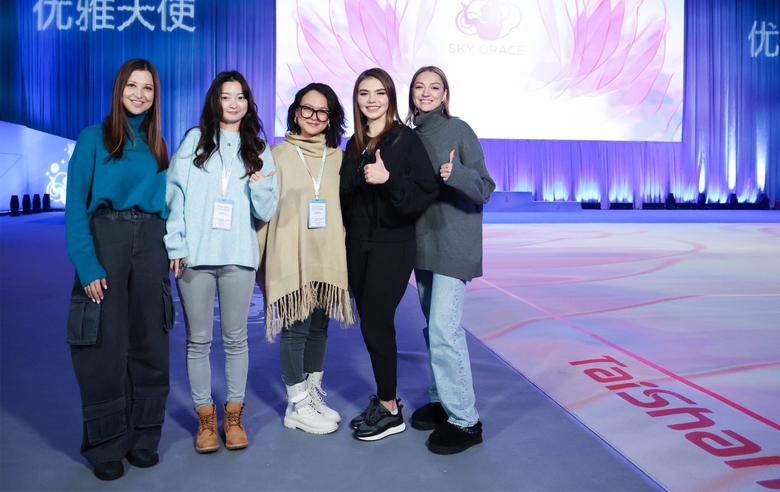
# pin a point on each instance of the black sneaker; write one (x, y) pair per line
(372, 402)
(450, 439)
(429, 417)
(380, 423)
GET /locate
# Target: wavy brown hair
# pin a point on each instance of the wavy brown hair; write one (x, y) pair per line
(116, 127)
(445, 102)
(361, 122)
(249, 130)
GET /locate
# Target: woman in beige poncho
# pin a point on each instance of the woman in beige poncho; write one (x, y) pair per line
(305, 256)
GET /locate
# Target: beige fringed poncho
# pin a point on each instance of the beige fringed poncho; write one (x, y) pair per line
(304, 268)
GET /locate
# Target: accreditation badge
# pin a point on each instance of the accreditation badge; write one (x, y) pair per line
(223, 215)
(318, 214)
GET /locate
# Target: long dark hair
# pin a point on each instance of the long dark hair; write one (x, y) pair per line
(249, 130)
(445, 102)
(116, 128)
(335, 130)
(361, 122)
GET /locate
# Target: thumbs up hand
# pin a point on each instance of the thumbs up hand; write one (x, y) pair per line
(376, 173)
(446, 169)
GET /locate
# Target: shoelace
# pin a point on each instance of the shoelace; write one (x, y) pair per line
(317, 395)
(208, 422)
(233, 418)
(375, 412)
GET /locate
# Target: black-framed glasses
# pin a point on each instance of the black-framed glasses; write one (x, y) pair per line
(322, 115)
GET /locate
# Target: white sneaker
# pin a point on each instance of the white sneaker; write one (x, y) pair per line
(301, 414)
(314, 385)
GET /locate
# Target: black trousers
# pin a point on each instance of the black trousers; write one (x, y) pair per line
(303, 347)
(120, 347)
(378, 275)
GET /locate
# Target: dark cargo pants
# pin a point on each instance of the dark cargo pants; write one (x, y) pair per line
(120, 347)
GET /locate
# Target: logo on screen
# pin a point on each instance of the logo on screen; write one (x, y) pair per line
(488, 19)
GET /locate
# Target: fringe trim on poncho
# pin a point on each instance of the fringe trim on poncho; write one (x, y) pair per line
(298, 305)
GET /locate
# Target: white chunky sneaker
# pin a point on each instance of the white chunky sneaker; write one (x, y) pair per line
(301, 414)
(314, 385)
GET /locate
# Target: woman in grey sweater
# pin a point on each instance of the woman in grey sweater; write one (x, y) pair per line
(449, 254)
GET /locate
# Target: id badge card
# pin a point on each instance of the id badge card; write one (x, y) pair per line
(223, 215)
(318, 214)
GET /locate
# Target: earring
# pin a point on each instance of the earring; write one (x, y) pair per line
(328, 127)
(295, 120)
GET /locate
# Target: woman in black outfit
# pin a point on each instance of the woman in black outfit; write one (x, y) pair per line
(387, 181)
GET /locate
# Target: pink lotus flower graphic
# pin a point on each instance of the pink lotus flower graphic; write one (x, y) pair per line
(614, 50)
(337, 40)
(488, 19)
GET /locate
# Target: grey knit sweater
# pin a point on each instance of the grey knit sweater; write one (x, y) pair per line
(449, 232)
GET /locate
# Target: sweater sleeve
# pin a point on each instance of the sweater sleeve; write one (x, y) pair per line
(412, 192)
(469, 173)
(81, 167)
(175, 191)
(265, 193)
(350, 180)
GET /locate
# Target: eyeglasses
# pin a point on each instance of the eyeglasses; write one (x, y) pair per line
(322, 115)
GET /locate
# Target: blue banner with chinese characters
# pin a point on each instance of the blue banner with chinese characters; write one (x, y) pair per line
(92, 15)
(66, 53)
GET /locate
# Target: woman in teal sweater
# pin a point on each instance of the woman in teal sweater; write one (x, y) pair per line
(114, 225)
(221, 176)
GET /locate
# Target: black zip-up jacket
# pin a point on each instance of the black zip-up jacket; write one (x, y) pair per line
(387, 212)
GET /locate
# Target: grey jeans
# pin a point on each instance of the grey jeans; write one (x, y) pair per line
(196, 288)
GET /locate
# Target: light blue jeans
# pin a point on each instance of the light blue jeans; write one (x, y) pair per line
(196, 289)
(441, 298)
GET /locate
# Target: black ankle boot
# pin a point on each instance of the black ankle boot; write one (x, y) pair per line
(450, 439)
(142, 458)
(110, 470)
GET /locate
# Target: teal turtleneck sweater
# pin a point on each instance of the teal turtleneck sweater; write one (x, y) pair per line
(130, 182)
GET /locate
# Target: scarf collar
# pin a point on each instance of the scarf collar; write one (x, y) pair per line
(311, 146)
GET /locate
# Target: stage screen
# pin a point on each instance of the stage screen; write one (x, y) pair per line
(518, 69)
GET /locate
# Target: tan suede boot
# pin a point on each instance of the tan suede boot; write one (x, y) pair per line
(235, 437)
(208, 439)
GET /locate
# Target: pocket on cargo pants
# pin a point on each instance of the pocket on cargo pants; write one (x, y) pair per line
(169, 311)
(83, 321)
(105, 420)
(149, 405)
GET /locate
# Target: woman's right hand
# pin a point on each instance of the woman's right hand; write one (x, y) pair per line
(95, 289)
(376, 173)
(445, 170)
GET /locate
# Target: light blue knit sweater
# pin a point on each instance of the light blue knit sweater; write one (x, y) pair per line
(190, 196)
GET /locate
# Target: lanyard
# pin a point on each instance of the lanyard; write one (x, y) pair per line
(226, 173)
(318, 181)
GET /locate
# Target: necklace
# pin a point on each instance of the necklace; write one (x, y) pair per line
(231, 141)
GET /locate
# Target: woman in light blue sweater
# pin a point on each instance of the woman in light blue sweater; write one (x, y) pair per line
(221, 176)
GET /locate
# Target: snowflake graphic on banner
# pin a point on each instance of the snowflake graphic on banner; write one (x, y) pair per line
(58, 178)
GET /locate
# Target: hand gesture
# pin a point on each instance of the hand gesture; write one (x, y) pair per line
(376, 173)
(178, 265)
(445, 170)
(257, 176)
(95, 289)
